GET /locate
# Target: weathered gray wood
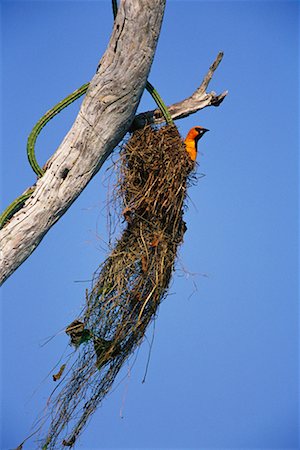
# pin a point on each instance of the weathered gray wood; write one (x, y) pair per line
(106, 114)
(198, 100)
(104, 117)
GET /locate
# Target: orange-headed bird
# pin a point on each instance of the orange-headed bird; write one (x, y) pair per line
(192, 139)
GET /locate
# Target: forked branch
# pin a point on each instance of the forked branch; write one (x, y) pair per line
(198, 100)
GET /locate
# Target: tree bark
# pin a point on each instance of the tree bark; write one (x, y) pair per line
(106, 114)
(104, 117)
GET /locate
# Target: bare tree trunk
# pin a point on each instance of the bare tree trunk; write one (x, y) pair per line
(106, 114)
(104, 117)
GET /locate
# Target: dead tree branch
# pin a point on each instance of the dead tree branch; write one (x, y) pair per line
(198, 100)
(107, 113)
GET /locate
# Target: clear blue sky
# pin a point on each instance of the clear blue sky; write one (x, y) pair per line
(223, 369)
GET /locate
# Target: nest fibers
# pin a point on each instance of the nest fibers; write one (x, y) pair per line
(153, 178)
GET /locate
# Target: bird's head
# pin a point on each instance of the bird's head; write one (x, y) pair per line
(196, 133)
(192, 139)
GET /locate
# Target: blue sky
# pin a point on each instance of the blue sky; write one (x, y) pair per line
(224, 365)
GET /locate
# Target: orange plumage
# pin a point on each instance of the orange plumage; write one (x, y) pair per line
(192, 139)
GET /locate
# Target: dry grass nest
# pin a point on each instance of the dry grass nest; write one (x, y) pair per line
(155, 170)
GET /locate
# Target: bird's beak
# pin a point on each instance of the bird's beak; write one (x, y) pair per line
(205, 130)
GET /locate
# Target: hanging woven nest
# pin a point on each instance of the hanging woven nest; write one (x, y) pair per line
(154, 173)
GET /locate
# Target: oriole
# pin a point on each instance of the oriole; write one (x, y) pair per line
(192, 139)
